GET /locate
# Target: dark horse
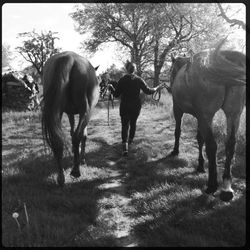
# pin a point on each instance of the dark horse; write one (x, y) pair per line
(71, 86)
(201, 85)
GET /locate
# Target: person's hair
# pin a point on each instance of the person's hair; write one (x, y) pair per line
(130, 67)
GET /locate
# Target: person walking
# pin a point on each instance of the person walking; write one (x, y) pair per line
(128, 88)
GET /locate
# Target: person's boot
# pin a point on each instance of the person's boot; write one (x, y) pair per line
(125, 149)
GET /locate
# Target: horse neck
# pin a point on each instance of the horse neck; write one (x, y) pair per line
(181, 61)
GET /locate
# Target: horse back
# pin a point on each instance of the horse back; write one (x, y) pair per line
(194, 93)
(75, 79)
(202, 85)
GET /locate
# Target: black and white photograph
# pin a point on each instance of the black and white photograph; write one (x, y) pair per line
(124, 124)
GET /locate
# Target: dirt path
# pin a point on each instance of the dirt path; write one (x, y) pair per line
(113, 218)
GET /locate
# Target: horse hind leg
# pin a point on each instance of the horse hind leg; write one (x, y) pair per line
(232, 128)
(83, 144)
(232, 107)
(72, 125)
(211, 147)
(57, 148)
(77, 138)
(58, 156)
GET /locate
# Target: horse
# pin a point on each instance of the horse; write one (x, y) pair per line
(70, 86)
(112, 84)
(201, 85)
(104, 89)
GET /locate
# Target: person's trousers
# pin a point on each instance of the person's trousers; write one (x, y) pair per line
(128, 126)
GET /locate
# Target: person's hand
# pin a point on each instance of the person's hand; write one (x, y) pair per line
(110, 87)
(160, 86)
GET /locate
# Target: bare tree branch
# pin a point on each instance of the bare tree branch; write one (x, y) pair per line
(232, 22)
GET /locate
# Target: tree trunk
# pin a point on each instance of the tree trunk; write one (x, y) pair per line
(135, 58)
(138, 66)
(157, 76)
(157, 69)
(160, 59)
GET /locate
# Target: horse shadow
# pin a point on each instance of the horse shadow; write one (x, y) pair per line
(32, 179)
(38, 188)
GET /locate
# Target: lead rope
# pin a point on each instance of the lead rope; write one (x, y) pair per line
(156, 96)
(110, 98)
(108, 108)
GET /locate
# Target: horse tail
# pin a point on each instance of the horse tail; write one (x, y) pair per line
(56, 77)
(225, 67)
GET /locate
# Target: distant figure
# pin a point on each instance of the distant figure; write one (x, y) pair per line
(34, 96)
(103, 86)
(113, 83)
(27, 82)
(128, 88)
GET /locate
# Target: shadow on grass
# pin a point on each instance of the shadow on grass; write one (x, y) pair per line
(57, 215)
(172, 209)
(61, 216)
(195, 222)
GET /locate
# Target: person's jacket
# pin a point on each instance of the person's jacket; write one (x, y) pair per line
(128, 88)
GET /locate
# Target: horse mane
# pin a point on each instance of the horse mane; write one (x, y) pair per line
(179, 62)
(221, 66)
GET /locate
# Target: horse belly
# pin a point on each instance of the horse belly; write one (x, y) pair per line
(210, 97)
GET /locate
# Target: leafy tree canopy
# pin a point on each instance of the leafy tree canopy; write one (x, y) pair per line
(37, 48)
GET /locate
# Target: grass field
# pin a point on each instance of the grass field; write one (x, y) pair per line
(142, 200)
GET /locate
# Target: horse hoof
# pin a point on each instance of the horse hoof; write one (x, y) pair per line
(226, 196)
(211, 190)
(75, 173)
(172, 154)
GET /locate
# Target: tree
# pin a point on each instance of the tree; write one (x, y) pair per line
(113, 73)
(125, 23)
(189, 26)
(149, 31)
(31, 70)
(6, 55)
(37, 48)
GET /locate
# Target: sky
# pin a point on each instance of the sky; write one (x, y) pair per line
(24, 17)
